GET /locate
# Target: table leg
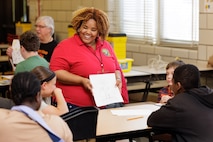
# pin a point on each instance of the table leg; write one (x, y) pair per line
(146, 91)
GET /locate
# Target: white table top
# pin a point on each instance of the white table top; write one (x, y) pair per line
(203, 67)
(146, 68)
(135, 73)
(9, 77)
(5, 80)
(111, 124)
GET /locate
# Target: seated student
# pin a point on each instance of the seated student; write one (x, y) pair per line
(48, 89)
(166, 93)
(6, 103)
(188, 115)
(29, 42)
(24, 122)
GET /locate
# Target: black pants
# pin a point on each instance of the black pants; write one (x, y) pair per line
(114, 105)
(71, 106)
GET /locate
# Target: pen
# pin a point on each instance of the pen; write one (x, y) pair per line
(133, 118)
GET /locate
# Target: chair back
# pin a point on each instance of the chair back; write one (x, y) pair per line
(82, 121)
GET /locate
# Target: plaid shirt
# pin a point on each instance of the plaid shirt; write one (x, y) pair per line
(165, 91)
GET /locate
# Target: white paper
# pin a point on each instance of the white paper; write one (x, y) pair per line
(104, 89)
(159, 104)
(7, 76)
(16, 55)
(129, 112)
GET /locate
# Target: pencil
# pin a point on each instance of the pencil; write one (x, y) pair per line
(133, 118)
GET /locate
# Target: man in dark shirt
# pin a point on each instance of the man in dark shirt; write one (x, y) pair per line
(189, 115)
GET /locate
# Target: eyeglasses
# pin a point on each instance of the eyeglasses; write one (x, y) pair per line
(40, 26)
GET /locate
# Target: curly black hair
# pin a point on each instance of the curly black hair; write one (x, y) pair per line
(82, 15)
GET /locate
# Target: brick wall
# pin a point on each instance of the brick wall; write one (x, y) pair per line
(61, 11)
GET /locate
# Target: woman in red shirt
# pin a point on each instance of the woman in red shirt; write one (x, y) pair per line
(87, 52)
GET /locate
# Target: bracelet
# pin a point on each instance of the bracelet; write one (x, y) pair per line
(118, 79)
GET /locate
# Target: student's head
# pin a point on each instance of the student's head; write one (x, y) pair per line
(30, 41)
(170, 70)
(25, 90)
(47, 80)
(84, 17)
(185, 78)
(44, 26)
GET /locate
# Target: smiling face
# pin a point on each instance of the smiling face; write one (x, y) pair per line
(88, 32)
(169, 75)
(42, 31)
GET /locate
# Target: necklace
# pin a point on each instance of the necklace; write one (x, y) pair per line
(99, 59)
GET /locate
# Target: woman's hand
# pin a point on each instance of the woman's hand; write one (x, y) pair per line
(86, 84)
(118, 79)
(57, 91)
(119, 84)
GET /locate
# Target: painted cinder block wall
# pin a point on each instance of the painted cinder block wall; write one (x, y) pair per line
(61, 11)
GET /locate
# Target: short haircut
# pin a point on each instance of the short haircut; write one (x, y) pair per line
(48, 21)
(30, 41)
(188, 75)
(24, 88)
(82, 15)
(174, 64)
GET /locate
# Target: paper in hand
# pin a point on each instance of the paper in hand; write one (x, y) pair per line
(16, 55)
(104, 89)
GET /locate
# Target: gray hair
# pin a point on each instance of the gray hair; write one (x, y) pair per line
(49, 22)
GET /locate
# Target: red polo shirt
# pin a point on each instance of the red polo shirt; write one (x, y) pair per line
(74, 56)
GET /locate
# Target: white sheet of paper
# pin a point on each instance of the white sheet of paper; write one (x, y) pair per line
(104, 90)
(16, 55)
(129, 112)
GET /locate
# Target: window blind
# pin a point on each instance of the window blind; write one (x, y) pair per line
(161, 22)
(179, 22)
